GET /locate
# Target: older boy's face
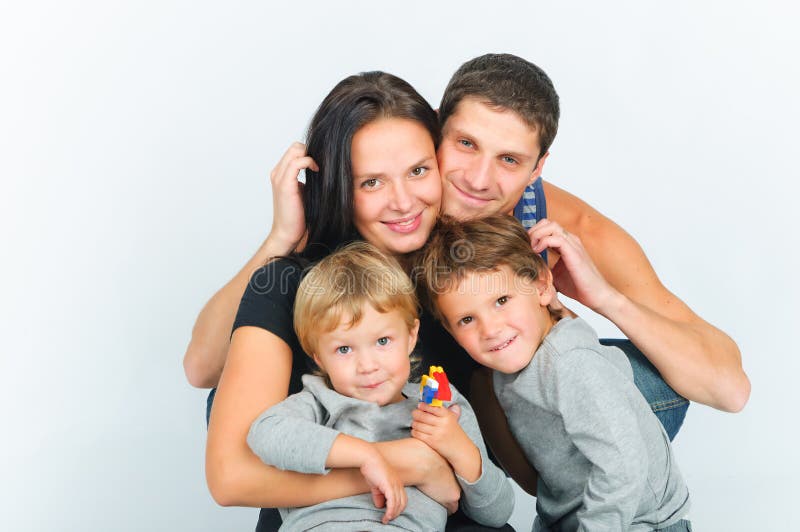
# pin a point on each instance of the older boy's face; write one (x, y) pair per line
(500, 319)
(486, 159)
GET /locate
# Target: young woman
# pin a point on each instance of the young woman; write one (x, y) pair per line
(371, 174)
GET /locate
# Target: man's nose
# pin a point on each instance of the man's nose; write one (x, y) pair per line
(479, 174)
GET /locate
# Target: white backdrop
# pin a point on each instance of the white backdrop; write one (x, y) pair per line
(136, 141)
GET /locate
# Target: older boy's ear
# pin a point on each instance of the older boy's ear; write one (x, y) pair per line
(546, 288)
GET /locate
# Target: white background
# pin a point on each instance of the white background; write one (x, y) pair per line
(136, 141)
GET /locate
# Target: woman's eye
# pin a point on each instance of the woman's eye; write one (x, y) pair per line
(465, 320)
(420, 170)
(343, 349)
(369, 183)
(383, 341)
(502, 301)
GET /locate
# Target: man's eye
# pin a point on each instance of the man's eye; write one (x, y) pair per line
(383, 341)
(466, 143)
(465, 320)
(343, 349)
(509, 160)
(502, 301)
(418, 171)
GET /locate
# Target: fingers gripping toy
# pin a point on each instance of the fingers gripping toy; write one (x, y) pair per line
(434, 387)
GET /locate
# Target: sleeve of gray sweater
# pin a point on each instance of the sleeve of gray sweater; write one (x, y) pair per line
(603, 427)
(490, 499)
(290, 435)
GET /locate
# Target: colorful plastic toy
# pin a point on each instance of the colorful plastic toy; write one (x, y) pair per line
(434, 387)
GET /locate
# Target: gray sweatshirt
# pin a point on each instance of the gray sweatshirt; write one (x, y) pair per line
(297, 435)
(604, 460)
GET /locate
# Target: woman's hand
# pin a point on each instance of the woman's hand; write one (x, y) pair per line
(421, 466)
(575, 274)
(385, 485)
(288, 218)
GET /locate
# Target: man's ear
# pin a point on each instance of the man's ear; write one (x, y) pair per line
(537, 170)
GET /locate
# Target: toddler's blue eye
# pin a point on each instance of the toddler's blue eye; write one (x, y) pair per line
(383, 341)
(343, 350)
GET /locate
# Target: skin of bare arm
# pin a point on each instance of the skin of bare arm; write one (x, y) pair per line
(698, 360)
(256, 376)
(208, 347)
(497, 434)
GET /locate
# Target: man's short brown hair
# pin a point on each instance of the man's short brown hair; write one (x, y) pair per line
(506, 81)
(457, 248)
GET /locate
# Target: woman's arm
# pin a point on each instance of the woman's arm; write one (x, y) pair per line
(494, 427)
(256, 376)
(698, 360)
(208, 347)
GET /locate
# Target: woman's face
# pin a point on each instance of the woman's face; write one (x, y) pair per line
(397, 189)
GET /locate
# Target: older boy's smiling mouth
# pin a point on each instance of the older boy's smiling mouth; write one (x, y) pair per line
(504, 344)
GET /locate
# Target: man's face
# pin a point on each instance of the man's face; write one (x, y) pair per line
(486, 159)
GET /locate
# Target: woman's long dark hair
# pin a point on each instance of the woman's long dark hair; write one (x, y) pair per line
(353, 103)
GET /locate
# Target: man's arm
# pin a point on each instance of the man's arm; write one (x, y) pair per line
(698, 360)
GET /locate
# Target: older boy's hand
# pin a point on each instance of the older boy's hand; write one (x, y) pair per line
(439, 428)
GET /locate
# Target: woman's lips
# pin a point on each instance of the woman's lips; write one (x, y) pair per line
(405, 225)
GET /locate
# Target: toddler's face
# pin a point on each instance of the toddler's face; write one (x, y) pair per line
(498, 317)
(369, 361)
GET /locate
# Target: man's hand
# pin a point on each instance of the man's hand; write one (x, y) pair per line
(575, 275)
(439, 428)
(385, 486)
(288, 218)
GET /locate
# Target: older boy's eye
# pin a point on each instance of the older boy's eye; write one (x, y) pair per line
(502, 301)
(343, 349)
(465, 320)
(383, 341)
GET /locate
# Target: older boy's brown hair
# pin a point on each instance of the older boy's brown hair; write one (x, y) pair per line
(456, 248)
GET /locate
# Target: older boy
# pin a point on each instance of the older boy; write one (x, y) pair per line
(603, 458)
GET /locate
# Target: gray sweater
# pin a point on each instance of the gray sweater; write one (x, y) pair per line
(604, 460)
(297, 435)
